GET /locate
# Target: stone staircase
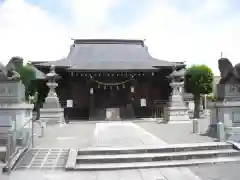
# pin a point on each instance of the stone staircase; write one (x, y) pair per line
(103, 158)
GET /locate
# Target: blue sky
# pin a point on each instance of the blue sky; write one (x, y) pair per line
(195, 31)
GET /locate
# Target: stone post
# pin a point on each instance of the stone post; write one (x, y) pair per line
(195, 123)
(221, 131)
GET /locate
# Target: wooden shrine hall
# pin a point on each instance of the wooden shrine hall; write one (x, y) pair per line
(111, 78)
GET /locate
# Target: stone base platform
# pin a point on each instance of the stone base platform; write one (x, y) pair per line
(52, 116)
(176, 114)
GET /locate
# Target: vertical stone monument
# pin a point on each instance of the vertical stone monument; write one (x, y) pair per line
(176, 110)
(15, 112)
(52, 113)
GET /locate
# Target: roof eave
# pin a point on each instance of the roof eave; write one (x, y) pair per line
(112, 70)
(48, 66)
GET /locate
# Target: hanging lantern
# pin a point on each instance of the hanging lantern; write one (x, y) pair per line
(153, 74)
(98, 85)
(132, 89)
(91, 90)
(105, 87)
(117, 87)
(123, 85)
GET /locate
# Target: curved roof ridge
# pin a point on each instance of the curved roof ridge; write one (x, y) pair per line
(109, 41)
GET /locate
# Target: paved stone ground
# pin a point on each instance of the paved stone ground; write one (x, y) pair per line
(117, 134)
(44, 159)
(182, 133)
(177, 133)
(123, 134)
(101, 134)
(74, 135)
(226, 171)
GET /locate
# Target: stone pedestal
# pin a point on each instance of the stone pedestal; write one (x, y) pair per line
(14, 111)
(52, 113)
(176, 111)
(227, 112)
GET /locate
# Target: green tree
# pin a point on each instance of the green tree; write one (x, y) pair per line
(198, 80)
(28, 76)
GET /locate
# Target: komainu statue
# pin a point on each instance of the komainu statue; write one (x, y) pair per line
(8, 73)
(230, 80)
(229, 74)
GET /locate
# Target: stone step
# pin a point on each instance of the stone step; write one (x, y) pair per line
(155, 149)
(148, 157)
(3, 151)
(151, 164)
(102, 158)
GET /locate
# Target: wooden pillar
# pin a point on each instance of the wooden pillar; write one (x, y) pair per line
(91, 97)
(133, 96)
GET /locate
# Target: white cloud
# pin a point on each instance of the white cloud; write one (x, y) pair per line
(30, 32)
(177, 36)
(89, 16)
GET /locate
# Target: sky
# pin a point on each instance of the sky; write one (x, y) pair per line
(194, 31)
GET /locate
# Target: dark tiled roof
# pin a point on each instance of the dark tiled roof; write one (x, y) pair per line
(58, 63)
(109, 54)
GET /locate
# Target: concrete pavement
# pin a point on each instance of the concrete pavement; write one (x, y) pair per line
(102, 134)
(177, 133)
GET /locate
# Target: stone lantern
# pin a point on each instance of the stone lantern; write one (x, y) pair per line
(176, 110)
(52, 113)
(52, 100)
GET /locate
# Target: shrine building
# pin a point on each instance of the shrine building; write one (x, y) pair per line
(102, 74)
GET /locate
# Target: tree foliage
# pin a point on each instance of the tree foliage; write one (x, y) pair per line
(198, 80)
